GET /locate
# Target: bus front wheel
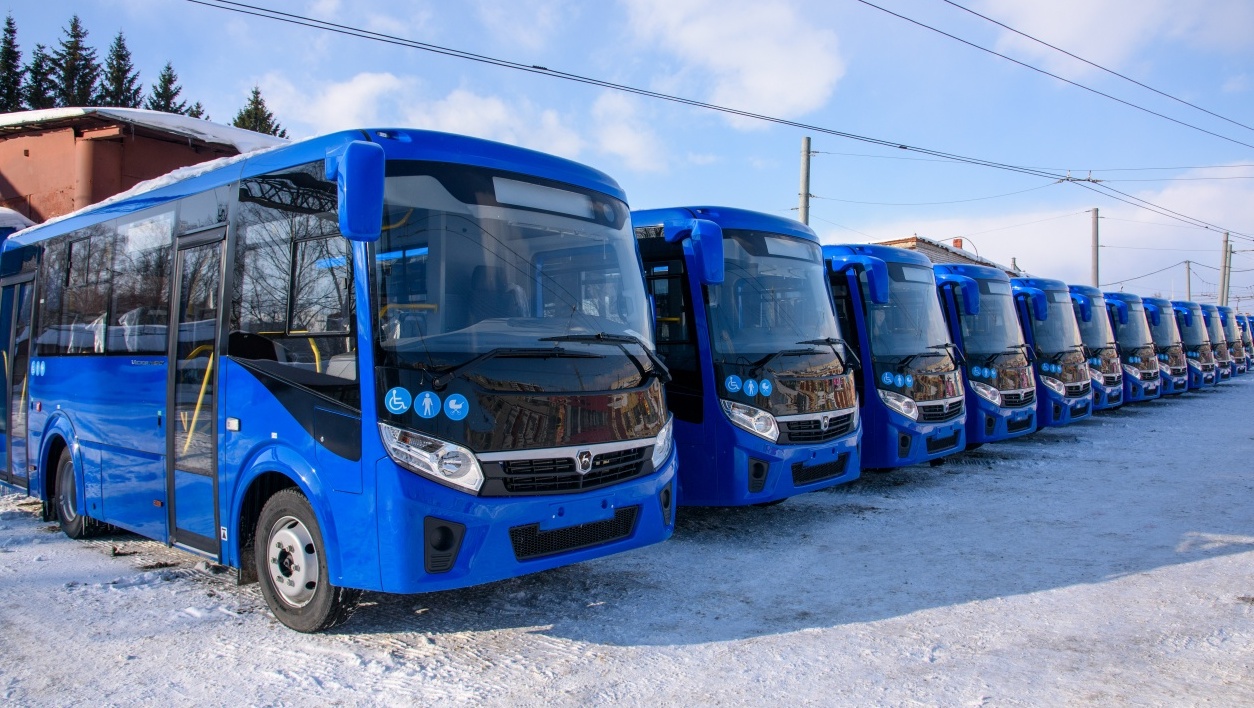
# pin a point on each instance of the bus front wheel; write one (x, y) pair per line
(292, 566)
(73, 524)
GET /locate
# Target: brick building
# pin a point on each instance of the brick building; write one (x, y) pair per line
(942, 253)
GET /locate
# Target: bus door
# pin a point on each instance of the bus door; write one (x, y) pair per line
(191, 436)
(15, 318)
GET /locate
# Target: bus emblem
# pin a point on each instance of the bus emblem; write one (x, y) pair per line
(585, 462)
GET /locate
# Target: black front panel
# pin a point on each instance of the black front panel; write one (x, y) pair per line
(560, 475)
(811, 383)
(530, 542)
(817, 430)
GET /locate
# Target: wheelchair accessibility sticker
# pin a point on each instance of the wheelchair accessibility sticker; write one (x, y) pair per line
(397, 401)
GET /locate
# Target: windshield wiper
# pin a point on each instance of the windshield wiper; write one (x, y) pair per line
(844, 349)
(621, 341)
(447, 374)
(756, 367)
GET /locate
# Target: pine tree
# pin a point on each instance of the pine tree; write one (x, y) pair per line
(119, 86)
(77, 70)
(165, 93)
(11, 70)
(39, 87)
(197, 111)
(256, 117)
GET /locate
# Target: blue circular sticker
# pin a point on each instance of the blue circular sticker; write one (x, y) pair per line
(397, 401)
(887, 378)
(751, 387)
(732, 383)
(766, 387)
(976, 371)
(456, 407)
(909, 380)
(427, 405)
(899, 380)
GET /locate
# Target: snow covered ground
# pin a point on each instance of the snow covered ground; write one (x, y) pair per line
(1108, 562)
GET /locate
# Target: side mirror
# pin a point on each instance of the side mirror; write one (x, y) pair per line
(1154, 314)
(876, 273)
(1119, 307)
(1038, 303)
(1187, 315)
(359, 173)
(967, 287)
(1085, 304)
(705, 239)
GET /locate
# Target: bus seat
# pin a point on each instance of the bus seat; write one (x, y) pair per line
(493, 296)
(247, 345)
(343, 365)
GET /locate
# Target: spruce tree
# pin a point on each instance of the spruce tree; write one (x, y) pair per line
(197, 111)
(165, 93)
(77, 70)
(39, 86)
(256, 117)
(119, 86)
(11, 70)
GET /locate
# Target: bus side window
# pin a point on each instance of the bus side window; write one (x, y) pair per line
(77, 274)
(140, 306)
(673, 323)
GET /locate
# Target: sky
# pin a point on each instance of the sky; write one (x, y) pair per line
(841, 65)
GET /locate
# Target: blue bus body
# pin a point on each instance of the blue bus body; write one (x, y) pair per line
(1247, 344)
(999, 380)
(1203, 371)
(1064, 391)
(765, 405)
(913, 401)
(1213, 321)
(1232, 334)
(1141, 366)
(1173, 363)
(1098, 337)
(197, 350)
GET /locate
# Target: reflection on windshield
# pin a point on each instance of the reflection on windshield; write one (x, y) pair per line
(1135, 332)
(1193, 335)
(1165, 333)
(1230, 329)
(996, 328)
(1059, 332)
(1215, 331)
(471, 261)
(911, 321)
(1095, 334)
(773, 298)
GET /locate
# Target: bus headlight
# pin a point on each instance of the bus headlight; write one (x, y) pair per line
(1164, 368)
(446, 463)
(662, 445)
(1054, 385)
(987, 392)
(901, 404)
(1132, 371)
(755, 420)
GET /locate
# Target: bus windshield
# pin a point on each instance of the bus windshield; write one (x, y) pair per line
(1095, 334)
(1230, 329)
(1215, 330)
(476, 262)
(1194, 335)
(911, 321)
(1165, 333)
(1059, 332)
(995, 329)
(771, 299)
(1135, 333)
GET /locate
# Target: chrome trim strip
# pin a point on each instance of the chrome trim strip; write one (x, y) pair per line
(814, 416)
(939, 401)
(569, 452)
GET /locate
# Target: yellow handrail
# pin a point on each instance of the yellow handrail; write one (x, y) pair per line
(200, 399)
(317, 355)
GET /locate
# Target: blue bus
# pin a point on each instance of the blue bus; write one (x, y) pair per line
(980, 311)
(762, 387)
(1064, 393)
(1197, 347)
(1141, 369)
(1243, 324)
(1218, 342)
(1173, 364)
(387, 360)
(887, 306)
(1100, 348)
(1232, 333)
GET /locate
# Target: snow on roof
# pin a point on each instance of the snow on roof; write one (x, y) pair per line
(10, 219)
(186, 126)
(960, 253)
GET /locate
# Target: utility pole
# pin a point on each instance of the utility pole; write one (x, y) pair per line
(1223, 273)
(1096, 283)
(804, 208)
(1188, 281)
(1228, 274)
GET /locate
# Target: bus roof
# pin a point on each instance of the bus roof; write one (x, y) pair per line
(728, 218)
(978, 272)
(1042, 284)
(398, 144)
(1126, 297)
(888, 254)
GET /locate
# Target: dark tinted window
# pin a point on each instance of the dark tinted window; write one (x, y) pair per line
(75, 309)
(140, 307)
(201, 211)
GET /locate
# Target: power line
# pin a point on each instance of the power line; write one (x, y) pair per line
(957, 201)
(1028, 223)
(1056, 76)
(1127, 280)
(1055, 169)
(323, 25)
(1097, 66)
(833, 223)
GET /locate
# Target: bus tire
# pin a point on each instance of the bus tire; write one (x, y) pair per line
(73, 524)
(292, 566)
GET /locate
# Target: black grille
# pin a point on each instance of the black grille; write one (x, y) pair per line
(556, 475)
(1079, 389)
(803, 474)
(1014, 400)
(1014, 426)
(935, 445)
(1111, 380)
(938, 412)
(1207, 368)
(530, 542)
(1149, 375)
(1179, 370)
(812, 431)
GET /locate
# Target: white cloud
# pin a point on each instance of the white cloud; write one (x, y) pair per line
(1236, 84)
(367, 99)
(527, 23)
(517, 122)
(621, 132)
(755, 55)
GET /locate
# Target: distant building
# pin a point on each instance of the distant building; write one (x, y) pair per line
(942, 253)
(58, 160)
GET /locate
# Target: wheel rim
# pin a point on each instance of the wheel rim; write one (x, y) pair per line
(292, 560)
(66, 495)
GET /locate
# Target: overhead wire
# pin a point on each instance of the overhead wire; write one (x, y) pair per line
(956, 201)
(1146, 275)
